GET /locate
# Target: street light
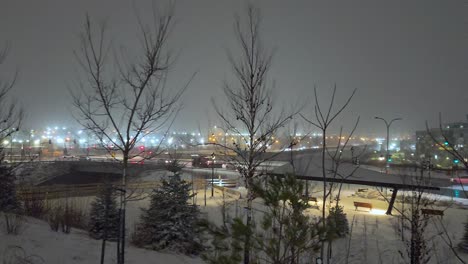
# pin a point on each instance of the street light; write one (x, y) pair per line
(388, 124)
(212, 173)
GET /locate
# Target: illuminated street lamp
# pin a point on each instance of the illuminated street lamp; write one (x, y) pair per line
(388, 124)
(213, 157)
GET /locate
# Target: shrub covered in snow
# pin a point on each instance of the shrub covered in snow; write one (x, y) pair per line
(104, 215)
(9, 204)
(337, 223)
(8, 200)
(170, 222)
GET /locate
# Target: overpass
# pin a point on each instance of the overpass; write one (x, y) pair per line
(308, 166)
(79, 172)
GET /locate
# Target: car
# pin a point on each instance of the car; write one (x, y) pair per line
(137, 160)
(460, 179)
(84, 158)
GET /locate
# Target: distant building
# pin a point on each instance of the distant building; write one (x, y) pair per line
(452, 134)
(407, 145)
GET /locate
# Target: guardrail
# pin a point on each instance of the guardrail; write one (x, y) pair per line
(80, 190)
(76, 190)
(235, 194)
(230, 183)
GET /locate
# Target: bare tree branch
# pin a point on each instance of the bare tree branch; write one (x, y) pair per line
(251, 115)
(11, 115)
(120, 109)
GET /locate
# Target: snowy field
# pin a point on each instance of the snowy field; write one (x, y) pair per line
(374, 237)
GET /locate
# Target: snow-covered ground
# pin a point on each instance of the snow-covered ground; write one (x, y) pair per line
(374, 235)
(36, 239)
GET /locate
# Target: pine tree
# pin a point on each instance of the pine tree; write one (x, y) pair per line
(464, 244)
(337, 223)
(104, 215)
(286, 234)
(170, 222)
(8, 200)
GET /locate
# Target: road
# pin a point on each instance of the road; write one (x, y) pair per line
(310, 165)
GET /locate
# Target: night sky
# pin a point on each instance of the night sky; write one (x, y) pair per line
(406, 58)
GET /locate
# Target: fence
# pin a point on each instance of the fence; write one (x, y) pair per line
(76, 190)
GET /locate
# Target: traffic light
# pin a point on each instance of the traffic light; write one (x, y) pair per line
(389, 158)
(50, 141)
(446, 143)
(456, 161)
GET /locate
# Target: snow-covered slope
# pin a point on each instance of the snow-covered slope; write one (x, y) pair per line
(36, 238)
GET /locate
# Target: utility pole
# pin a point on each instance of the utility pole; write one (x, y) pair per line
(387, 124)
(212, 173)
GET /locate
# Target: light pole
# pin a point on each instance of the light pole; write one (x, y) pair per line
(212, 173)
(388, 124)
(11, 148)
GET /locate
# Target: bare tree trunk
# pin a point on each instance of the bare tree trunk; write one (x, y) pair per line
(248, 224)
(123, 204)
(103, 245)
(251, 110)
(103, 250)
(323, 121)
(120, 109)
(324, 196)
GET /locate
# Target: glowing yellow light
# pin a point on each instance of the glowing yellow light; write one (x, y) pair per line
(377, 212)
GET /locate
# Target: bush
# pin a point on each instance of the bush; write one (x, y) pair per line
(337, 223)
(65, 216)
(170, 222)
(104, 215)
(8, 199)
(13, 223)
(35, 207)
(54, 218)
(17, 255)
(77, 217)
(464, 243)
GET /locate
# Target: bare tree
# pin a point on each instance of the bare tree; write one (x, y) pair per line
(324, 118)
(443, 140)
(250, 113)
(447, 239)
(121, 106)
(413, 229)
(11, 115)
